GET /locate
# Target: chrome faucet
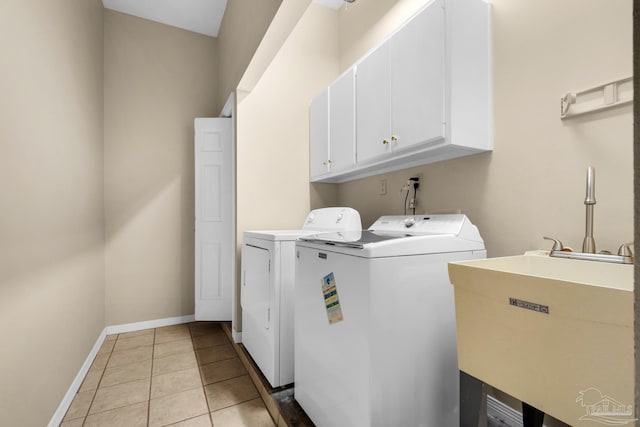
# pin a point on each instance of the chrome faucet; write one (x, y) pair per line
(589, 244)
(625, 254)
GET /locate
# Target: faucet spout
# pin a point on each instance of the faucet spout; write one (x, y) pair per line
(589, 244)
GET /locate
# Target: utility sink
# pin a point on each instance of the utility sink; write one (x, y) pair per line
(555, 333)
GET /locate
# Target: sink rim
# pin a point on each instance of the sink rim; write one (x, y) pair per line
(589, 273)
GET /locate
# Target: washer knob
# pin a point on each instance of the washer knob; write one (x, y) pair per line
(409, 222)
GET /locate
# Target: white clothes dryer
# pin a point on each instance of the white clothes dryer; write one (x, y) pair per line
(267, 287)
(375, 337)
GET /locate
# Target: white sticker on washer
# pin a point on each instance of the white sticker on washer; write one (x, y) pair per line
(331, 301)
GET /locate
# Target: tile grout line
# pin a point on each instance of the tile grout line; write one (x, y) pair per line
(84, 420)
(259, 381)
(193, 344)
(153, 349)
(214, 361)
(110, 353)
(223, 380)
(239, 402)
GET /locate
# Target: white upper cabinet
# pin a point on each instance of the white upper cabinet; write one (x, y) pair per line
(422, 96)
(400, 89)
(319, 135)
(332, 129)
(342, 130)
(416, 58)
(373, 100)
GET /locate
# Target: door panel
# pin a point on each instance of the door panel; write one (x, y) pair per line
(342, 131)
(319, 135)
(416, 55)
(372, 110)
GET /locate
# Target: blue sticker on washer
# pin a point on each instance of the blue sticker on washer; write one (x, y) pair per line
(331, 301)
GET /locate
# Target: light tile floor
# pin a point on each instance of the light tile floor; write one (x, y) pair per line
(182, 375)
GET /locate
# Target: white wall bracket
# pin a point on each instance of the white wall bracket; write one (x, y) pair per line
(599, 98)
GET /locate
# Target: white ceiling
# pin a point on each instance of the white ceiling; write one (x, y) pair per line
(199, 16)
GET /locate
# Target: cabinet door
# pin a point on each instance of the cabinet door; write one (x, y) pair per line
(319, 135)
(342, 132)
(416, 55)
(373, 124)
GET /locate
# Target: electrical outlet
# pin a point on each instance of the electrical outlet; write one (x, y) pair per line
(414, 184)
(383, 187)
(417, 178)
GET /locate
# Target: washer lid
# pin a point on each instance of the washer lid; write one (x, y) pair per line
(318, 220)
(277, 235)
(351, 239)
(402, 236)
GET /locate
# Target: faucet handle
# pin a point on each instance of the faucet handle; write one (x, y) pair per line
(625, 251)
(557, 244)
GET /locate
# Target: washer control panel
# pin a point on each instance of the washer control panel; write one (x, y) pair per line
(428, 224)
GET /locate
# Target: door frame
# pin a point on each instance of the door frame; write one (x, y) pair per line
(229, 110)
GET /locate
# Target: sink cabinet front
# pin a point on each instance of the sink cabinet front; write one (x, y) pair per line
(556, 334)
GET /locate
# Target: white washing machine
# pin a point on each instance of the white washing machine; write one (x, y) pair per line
(266, 298)
(375, 338)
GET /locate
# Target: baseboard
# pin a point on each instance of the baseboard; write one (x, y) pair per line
(77, 382)
(148, 324)
(109, 330)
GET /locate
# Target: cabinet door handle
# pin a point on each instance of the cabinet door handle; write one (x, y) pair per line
(394, 138)
(326, 162)
(384, 141)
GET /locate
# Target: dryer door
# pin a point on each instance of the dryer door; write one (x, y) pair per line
(255, 294)
(255, 299)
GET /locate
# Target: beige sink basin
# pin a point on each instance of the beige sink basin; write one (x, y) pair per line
(555, 333)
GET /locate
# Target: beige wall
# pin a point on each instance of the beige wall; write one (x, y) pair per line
(51, 231)
(242, 29)
(157, 80)
(273, 127)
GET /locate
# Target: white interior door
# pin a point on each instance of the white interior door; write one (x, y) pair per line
(214, 234)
